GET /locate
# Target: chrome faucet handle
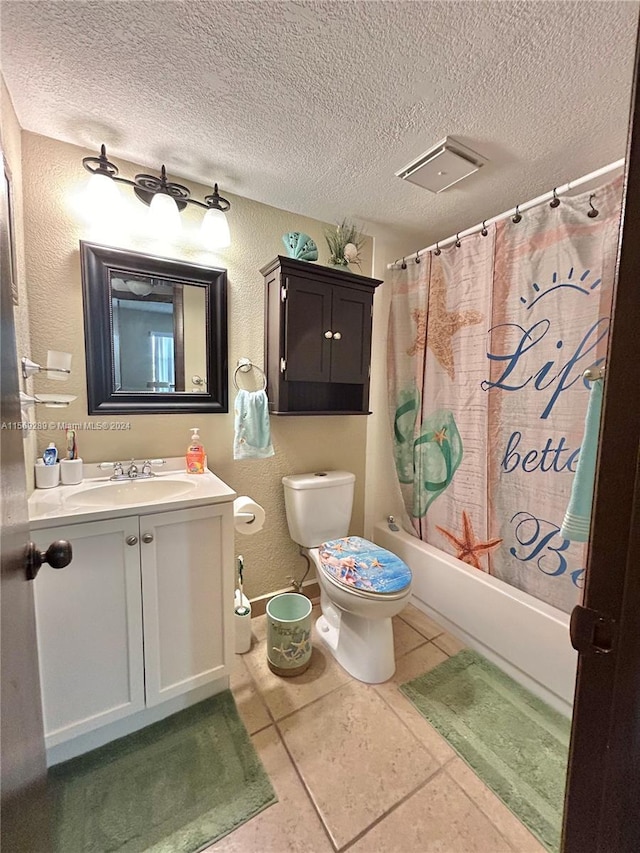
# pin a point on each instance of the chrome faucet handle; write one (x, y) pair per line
(117, 466)
(118, 473)
(146, 466)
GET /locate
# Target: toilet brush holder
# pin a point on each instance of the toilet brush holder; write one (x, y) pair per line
(242, 622)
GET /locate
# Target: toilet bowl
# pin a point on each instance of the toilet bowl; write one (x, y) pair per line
(362, 586)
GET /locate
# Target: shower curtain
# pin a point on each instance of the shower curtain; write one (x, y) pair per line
(487, 345)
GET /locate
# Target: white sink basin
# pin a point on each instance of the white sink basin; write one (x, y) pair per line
(130, 492)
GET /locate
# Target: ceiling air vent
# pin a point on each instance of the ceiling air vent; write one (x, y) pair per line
(442, 166)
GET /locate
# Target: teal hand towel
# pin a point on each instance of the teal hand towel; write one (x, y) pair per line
(577, 519)
(252, 439)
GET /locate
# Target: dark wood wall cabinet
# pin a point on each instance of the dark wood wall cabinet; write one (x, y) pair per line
(317, 338)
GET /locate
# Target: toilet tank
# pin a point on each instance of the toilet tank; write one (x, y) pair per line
(318, 506)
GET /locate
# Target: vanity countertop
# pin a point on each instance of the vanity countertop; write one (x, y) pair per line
(98, 498)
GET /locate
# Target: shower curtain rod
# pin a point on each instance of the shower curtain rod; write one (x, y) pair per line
(520, 208)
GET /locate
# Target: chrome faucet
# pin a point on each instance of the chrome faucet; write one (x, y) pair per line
(132, 472)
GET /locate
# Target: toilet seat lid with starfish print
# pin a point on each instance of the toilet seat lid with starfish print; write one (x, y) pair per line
(357, 563)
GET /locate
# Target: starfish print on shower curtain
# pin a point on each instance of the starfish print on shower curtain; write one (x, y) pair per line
(468, 548)
(419, 315)
(443, 324)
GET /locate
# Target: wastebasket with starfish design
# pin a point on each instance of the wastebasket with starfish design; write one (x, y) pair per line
(289, 633)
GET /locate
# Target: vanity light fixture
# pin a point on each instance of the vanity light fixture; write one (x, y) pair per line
(165, 198)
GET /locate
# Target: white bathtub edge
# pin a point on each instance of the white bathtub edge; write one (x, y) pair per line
(525, 637)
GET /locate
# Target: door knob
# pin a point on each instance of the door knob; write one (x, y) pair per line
(328, 334)
(58, 555)
(131, 540)
(336, 336)
(147, 537)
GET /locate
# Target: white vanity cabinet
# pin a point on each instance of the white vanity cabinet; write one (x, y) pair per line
(140, 617)
(184, 600)
(89, 627)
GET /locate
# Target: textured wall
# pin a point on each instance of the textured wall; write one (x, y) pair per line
(383, 496)
(54, 223)
(10, 139)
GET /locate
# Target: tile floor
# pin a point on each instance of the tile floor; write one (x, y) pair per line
(356, 767)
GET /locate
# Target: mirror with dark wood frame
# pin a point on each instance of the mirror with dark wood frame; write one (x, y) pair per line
(155, 333)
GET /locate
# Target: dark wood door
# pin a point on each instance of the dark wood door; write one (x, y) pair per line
(351, 320)
(24, 819)
(308, 319)
(602, 803)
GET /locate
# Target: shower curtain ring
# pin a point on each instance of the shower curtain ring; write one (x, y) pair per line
(517, 218)
(403, 266)
(484, 231)
(556, 201)
(438, 250)
(418, 256)
(594, 211)
(458, 244)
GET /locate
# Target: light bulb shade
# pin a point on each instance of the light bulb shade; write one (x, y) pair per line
(139, 288)
(164, 216)
(102, 196)
(215, 229)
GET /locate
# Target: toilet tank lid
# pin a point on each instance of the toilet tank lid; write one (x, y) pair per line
(318, 480)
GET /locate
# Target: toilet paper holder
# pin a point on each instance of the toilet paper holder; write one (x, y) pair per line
(249, 516)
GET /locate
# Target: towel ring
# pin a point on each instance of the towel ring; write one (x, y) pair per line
(245, 365)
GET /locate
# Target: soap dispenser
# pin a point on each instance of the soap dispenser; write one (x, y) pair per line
(196, 458)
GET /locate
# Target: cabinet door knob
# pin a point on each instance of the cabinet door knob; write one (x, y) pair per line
(328, 334)
(131, 540)
(147, 537)
(336, 336)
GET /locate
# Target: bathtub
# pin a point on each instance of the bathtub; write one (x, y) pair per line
(525, 637)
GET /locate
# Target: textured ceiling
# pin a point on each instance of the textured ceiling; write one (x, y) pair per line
(312, 107)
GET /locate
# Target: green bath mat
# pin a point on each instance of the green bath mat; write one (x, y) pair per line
(516, 743)
(174, 787)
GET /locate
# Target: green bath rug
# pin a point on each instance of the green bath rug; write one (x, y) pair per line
(516, 743)
(174, 787)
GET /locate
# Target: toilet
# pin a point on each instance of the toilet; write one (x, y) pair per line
(362, 586)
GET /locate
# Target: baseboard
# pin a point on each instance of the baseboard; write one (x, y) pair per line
(259, 604)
